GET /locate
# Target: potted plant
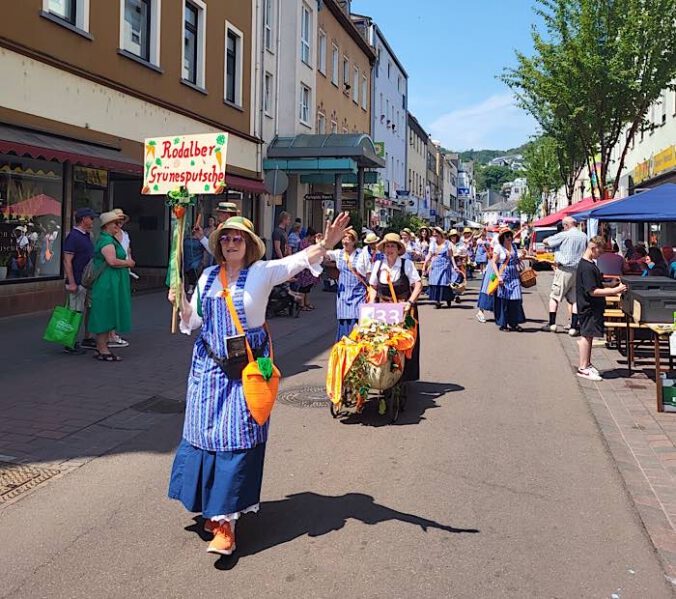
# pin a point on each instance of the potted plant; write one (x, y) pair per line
(4, 261)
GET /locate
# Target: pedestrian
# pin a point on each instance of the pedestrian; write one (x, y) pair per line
(410, 242)
(656, 264)
(454, 239)
(123, 237)
(280, 236)
(611, 262)
(352, 286)
(78, 250)
(568, 246)
(481, 254)
(439, 269)
(508, 306)
(306, 280)
(395, 279)
(293, 240)
(218, 467)
(468, 241)
(591, 304)
(486, 302)
(424, 238)
(111, 291)
(225, 210)
(369, 255)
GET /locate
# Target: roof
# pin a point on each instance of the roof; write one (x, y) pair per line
(417, 127)
(572, 210)
(350, 28)
(506, 206)
(383, 39)
(357, 146)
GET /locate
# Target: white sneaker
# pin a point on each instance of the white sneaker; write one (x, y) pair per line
(480, 317)
(593, 369)
(589, 374)
(573, 332)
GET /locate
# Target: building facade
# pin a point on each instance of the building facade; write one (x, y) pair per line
(433, 182)
(90, 81)
(417, 167)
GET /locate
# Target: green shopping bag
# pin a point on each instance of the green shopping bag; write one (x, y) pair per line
(63, 326)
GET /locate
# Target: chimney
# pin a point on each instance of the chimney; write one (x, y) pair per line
(346, 6)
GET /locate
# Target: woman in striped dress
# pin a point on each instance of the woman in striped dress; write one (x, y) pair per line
(352, 286)
(509, 312)
(439, 265)
(218, 468)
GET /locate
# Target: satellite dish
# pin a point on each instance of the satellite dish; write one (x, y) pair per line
(276, 182)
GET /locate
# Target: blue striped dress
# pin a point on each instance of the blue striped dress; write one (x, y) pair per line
(508, 298)
(351, 292)
(440, 273)
(218, 468)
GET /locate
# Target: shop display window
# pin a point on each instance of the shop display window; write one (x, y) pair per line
(31, 207)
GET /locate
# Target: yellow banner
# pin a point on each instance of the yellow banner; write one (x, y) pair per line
(664, 160)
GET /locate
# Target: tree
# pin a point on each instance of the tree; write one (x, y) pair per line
(528, 204)
(595, 71)
(492, 177)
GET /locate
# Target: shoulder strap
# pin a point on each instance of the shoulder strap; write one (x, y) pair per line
(235, 318)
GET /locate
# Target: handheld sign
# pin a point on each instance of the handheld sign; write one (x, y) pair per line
(383, 313)
(195, 162)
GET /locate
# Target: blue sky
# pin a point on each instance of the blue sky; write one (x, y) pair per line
(452, 51)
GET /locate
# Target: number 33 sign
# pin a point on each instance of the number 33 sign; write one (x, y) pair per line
(385, 313)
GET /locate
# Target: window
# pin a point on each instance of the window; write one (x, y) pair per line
(194, 41)
(322, 52)
(335, 60)
(305, 33)
(268, 25)
(355, 85)
(233, 65)
(334, 127)
(399, 83)
(267, 94)
(64, 9)
(31, 234)
(137, 15)
(321, 123)
(663, 101)
(346, 73)
(387, 112)
(389, 68)
(304, 113)
(364, 92)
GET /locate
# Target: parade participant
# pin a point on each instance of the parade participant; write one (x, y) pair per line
(481, 254)
(509, 312)
(468, 241)
(454, 239)
(306, 280)
(439, 269)
(368, 255)
(394, 278)
(352, 286)
(225, 210)
(218, 467)
(424, 239)
(485, 302)
(410, 243)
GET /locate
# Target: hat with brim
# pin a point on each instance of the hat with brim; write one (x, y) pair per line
(371, 238)
(502, 232)
(453, 232)
(438, 231)
(466, 230)
(227, 207)
(407, 231)
(108, 217)
(238, 223)
(122, 215)
(392, 238)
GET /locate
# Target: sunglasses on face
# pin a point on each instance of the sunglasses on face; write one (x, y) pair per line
(236, 239)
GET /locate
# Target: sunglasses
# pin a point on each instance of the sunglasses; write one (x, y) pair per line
(236, 239)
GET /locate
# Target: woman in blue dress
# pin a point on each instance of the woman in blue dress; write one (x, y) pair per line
(218, 467)
(439, 266)
(481, 257)
(352, 286)
(485, 302)
(509, 312)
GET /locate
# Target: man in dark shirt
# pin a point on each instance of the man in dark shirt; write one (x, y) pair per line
(591, 303)
(78, 250)
(280, 236)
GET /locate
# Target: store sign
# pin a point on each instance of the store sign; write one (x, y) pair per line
(380, 149)
(318, 197)
(661, 162)
(349, 204)
(463, 191)
(196, 162)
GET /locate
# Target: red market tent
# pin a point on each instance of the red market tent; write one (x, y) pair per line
(582, 206)
(39, 205)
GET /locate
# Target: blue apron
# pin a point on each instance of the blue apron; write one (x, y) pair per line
(216, 415)
(440, 266)
(351, 291)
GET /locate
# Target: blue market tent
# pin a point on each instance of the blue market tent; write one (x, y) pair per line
(655, 205)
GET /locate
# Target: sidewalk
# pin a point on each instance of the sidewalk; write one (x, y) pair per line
(60, 411)
(641, 440)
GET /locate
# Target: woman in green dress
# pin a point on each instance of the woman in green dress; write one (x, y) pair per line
(111, 292)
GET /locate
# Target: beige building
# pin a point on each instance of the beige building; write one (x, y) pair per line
(417, 166)
(90, 80)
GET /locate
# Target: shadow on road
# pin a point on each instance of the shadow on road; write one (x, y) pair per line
(422, 396)
(313, 515)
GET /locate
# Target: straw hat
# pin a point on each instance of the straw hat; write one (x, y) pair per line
(227, 207)
(502, 232)
(109, 217)
(371, 238)
(239, 223)
(439, 230)
(466, 230)
(453, 232)
(122, 215)
(392, 238)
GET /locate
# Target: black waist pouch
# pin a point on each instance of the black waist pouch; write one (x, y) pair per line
(233, 366)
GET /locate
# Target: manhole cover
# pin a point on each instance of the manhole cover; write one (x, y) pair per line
(159, 405)
(305, 397)
(17, 478)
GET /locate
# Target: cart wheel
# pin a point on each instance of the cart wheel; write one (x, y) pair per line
(394, 403)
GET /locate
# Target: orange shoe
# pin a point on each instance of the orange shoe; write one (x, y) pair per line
(224, 540)
(210, 526)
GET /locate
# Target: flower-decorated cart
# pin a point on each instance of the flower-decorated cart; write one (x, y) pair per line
(368, 365)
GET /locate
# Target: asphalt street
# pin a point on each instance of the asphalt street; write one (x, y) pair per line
(495, 482)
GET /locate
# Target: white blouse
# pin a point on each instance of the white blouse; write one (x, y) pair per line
(395, 272)
(262, 277)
